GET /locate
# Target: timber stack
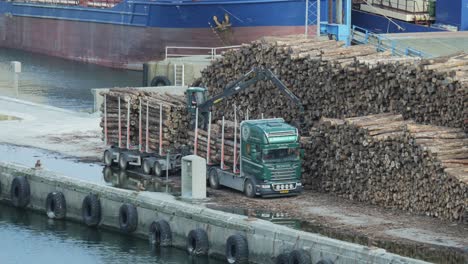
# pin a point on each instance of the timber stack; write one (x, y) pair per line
(336, 81)
(388, 161)
(216, 150)
(167, 109)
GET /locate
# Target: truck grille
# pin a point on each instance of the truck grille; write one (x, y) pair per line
(283, 174)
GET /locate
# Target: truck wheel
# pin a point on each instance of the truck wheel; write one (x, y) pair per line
(157, 169)
(214, 179)
(107, 172)
(108, 158)
(249, 188)
(147, 166)
(123, 161)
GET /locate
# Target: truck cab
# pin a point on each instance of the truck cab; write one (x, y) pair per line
(271, 156)
(195, 97)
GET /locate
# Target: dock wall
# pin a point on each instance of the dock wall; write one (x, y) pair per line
(265, 240)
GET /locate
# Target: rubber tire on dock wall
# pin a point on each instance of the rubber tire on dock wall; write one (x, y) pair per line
(300, 257)
(325, 261)
(91, 210)
(237, 250)
(214, 179)
(20, 192)
(197, 242)
(160, 81)
(56, 205)
(128, 218)
(160, 234)
(282, 259)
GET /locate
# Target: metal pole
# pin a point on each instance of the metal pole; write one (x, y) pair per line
(105, 119)
(167, 165)
(306, 26)
(209, 139)
(128, 124)
(195, 145)
(139, 128)
(247, 114)
(147, 128)
(318, 17)
(262, 116)
(222, 145)
(160, 129)
(120, 126)
(235, 140)
(348, 19)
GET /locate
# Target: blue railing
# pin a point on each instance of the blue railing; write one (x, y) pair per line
(361, 35)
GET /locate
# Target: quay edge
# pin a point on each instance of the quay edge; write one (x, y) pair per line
(265, 240)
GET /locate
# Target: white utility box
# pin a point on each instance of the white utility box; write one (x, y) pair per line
(193, 177)
(16, 66)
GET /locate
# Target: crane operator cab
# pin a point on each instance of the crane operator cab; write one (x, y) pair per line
(195, 97)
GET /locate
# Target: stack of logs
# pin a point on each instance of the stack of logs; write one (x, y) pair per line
(216, 142)
(336, 81)
(386, 160)
(174, 118)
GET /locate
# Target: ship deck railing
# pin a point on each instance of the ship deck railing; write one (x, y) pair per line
(210, 53)
(407, 6)
(361, 35)
(84, 3)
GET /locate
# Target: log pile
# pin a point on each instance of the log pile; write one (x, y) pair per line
(216, 143)
(336, 81)
(388, 161)
(174, 118)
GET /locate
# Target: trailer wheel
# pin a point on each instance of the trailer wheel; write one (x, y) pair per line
(147, 166)
(56, 206)
(300, 257)
(237, 250)
(108, 158)
(157, 169)
(20, 192)
(197, 242)
(128, 218)
(123, 161)
(282, 259)
(214, 179)
(91, 210)
(249, 188)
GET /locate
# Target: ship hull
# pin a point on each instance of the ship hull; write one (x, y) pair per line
(122, 38)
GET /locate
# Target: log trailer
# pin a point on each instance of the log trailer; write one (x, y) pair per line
(269, 162)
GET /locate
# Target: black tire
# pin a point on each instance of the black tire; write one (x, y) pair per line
(325, 261)
(56, 206)
(91, 210)
(160, 81)
(107, 158)
(237, 250)
(123, 161)
(20, 192)
(214, 179)
(157, 169)
(299, 257)
(147, 166)
(128, 218)
(197, 242)
(160, 234)
(282, 259)
(249, 188)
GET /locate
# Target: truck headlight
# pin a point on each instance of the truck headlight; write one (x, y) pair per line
(298, 184)
(282, 186)
(265, 186)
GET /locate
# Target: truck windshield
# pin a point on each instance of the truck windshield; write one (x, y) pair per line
(280, 154)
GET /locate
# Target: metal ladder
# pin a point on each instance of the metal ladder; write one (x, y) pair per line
(179, 72)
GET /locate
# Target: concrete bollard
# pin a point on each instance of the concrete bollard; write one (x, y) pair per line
(193, 177)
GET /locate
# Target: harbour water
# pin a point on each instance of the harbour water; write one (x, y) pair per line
(59, 82)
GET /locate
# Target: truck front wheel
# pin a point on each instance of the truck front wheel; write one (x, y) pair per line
(249, 188)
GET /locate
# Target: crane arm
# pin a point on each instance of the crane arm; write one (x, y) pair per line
(250, 78)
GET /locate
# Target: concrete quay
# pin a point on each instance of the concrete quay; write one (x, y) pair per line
(265, 240)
